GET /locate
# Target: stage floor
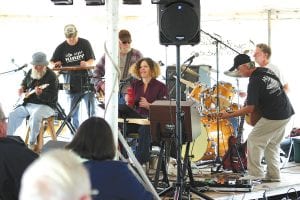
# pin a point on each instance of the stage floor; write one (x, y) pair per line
(290, 183)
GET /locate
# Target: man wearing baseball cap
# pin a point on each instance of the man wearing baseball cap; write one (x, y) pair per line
(266, 97)
(76, 52)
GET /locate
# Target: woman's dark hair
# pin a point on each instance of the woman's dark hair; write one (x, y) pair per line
(94, 140)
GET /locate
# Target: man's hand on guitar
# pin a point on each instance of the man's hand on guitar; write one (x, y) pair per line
(38, 90)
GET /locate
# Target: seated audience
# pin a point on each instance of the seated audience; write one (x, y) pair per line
(113, 179)
(56, 175)
(15, 157)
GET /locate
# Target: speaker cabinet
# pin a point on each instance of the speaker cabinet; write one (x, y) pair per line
(179, 22)
(203, 78)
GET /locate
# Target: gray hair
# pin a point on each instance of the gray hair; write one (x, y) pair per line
(56, 175)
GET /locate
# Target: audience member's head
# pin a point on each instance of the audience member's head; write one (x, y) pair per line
(3, 123)
(94, 140)
(56, 175)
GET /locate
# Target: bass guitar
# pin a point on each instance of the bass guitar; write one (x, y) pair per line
(24, 96)
(235, 158)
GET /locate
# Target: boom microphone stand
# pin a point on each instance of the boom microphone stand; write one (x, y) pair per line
(218, 160)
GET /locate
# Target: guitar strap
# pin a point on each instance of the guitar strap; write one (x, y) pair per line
(273, 77)
(126, 67)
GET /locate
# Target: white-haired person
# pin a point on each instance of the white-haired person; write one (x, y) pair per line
(40, 85)
(56, 175)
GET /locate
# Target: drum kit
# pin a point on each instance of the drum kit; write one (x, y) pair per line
(209, 101)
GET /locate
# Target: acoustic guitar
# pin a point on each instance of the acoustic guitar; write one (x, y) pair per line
(252, 118)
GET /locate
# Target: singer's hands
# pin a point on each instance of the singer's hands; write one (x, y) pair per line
(144, 103)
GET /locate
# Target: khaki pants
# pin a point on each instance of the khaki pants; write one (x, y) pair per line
(264, 140)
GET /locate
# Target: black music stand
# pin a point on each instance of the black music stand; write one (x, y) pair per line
(162, 125)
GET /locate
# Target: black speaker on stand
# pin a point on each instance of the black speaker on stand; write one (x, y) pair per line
(179, 22)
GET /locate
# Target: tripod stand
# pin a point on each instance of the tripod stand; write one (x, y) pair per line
(182, 121)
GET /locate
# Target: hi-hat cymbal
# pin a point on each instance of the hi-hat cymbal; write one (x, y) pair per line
(232, 74)
(189, 71)
(187, 83)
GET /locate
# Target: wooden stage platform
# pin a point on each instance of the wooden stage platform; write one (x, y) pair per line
(290, 184)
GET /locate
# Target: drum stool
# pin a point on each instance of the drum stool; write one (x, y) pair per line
(46, 122)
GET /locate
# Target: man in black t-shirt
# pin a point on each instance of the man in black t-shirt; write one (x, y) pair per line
(266, 99)
(76, 52)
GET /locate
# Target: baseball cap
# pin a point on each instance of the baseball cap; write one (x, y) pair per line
(239, 60)
(70, 31)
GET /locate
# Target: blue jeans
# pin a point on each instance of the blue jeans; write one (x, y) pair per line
(142, 153)
(89, 103)
(36, 113)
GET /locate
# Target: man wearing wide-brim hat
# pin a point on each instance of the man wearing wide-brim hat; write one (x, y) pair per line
(40, 87)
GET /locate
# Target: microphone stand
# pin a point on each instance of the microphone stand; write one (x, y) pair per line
(14, 70)
(218, 159)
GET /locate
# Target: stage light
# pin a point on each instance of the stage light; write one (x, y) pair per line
(62, 2)
(132, 2)
(95, 2)
(160, 1)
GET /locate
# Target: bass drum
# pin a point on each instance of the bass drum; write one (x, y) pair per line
(205, 146)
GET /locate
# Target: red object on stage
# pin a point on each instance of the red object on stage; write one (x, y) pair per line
(130, 95)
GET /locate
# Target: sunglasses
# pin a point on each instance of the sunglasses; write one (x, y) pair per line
(126, 42)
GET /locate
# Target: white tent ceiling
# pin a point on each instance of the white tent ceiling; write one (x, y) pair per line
(210, 9)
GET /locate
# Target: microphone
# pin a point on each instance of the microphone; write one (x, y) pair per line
(22, 67)
(194, 55)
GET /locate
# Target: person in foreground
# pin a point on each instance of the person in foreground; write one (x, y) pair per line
(40, 87)
(56, 175)
(146, 89)
(266, 95)
(15, 157)
(113, 179)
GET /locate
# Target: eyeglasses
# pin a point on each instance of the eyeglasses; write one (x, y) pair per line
(126, 42)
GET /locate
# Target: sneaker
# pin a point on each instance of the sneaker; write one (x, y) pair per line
(269, 180)
(250, 177)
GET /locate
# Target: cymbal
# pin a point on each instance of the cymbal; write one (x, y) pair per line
(189, 71)
(187, 83)
(232, 74)
(208, 68)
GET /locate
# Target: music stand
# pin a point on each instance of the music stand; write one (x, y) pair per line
(127, 112)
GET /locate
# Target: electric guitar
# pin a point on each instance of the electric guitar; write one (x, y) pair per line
(24, 96)
(235, 158)
(252, 118)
